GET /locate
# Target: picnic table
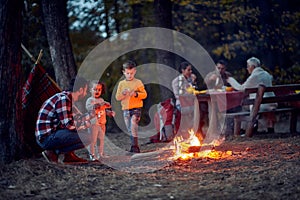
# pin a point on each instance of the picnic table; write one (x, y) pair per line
(287, 96)
(219, 101)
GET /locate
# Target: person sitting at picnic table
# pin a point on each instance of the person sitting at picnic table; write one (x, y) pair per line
(56, 131)
(218, 78)
(185, 80)
(184, 101)
(257, 77)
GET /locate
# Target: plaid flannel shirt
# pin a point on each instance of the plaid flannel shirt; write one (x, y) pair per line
(55, 113)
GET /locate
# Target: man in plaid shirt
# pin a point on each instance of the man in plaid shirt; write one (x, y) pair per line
(55, 127)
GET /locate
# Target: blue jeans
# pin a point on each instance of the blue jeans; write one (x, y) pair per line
(63, 141)
(132, 118)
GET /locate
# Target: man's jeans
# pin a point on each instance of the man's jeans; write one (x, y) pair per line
(65, 140)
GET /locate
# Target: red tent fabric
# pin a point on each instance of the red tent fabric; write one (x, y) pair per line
(37, 89)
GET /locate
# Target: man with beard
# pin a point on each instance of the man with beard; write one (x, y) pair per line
(56, 129)
(218, 78)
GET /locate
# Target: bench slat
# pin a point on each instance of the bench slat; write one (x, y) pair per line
(286, 94)
(260, 112)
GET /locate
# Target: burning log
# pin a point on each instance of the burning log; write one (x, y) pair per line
(188, 148)
(193, 148)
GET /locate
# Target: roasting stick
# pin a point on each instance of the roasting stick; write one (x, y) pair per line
(39, 57)
(37, 61)
(28, 53)
(151, 155)
(145, 155)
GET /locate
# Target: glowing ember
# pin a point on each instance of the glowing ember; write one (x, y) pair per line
(186, 149)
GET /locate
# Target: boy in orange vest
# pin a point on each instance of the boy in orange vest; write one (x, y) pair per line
(131, 92)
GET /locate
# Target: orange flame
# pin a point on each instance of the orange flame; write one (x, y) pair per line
(186, 149)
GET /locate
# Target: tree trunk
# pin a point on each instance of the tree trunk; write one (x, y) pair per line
(116, 16)
(11, 124)
(106, 18)
(57, 29)
(163, 18)
(136, 15)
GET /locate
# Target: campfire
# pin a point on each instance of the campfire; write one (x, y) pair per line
(191, 147)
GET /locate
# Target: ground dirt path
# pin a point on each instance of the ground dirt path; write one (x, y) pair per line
(262, 167)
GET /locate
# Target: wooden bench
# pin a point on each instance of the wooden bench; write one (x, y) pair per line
(285, 96)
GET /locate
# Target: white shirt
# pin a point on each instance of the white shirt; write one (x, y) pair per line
(256, 78)
(179, 85)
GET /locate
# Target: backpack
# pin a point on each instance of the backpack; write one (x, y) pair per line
(166, 121)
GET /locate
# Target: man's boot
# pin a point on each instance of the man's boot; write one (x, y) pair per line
(70, 157)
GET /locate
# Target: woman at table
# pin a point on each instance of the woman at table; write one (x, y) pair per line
(257, 77)
(182, 82)
(184, 100)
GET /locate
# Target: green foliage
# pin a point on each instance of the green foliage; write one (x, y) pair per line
(230, 29)
(105, 17)
(287, 76)
(235, 30)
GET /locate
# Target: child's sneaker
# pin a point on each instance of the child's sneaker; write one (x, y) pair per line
(92, 157)
(135, 149)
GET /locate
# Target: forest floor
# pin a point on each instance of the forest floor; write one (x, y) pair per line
(262, 167)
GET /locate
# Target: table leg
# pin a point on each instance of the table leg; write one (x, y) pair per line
(196, 115)
(212, 131)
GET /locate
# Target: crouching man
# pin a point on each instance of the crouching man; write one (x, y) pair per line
(56, 130)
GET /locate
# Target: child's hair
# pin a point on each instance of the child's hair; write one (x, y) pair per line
(98, 82)
(129, 65)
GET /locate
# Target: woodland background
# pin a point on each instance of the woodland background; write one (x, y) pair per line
(68, 30)
(227, 29)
